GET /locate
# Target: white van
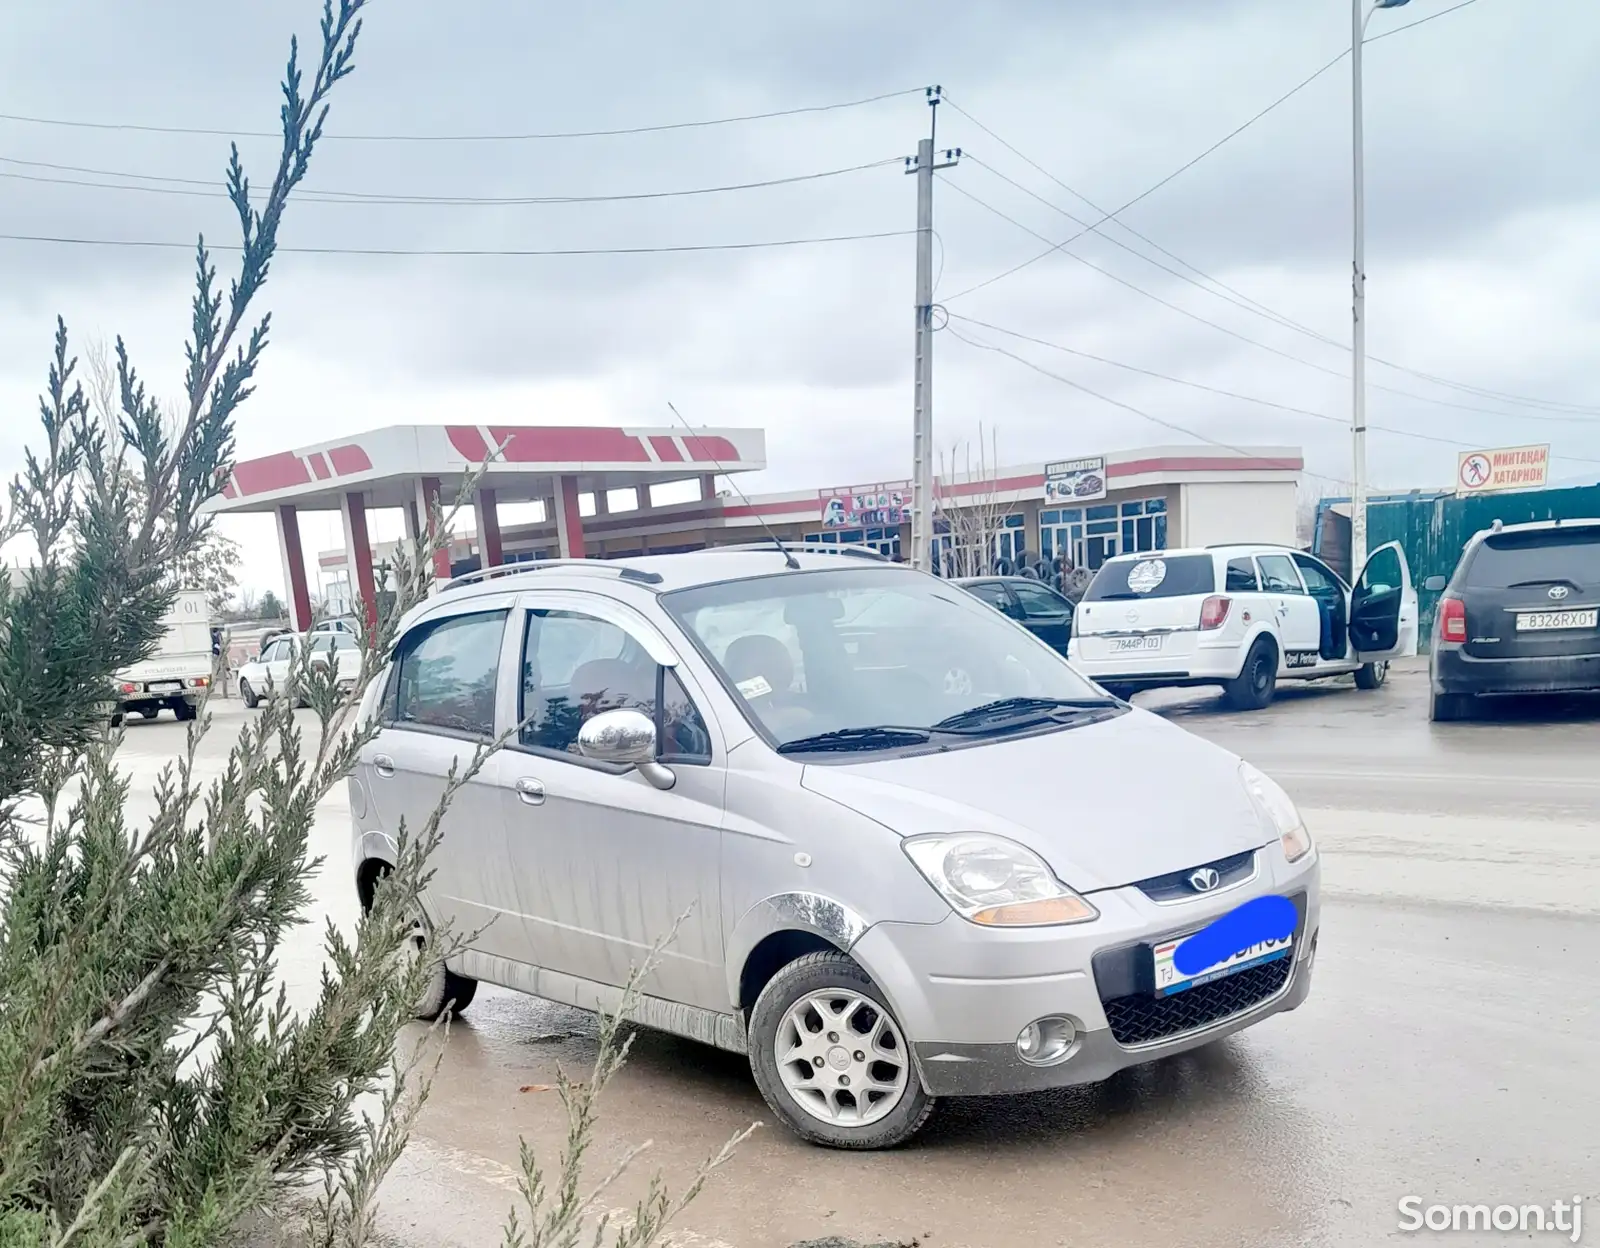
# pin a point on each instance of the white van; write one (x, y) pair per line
(177, 675)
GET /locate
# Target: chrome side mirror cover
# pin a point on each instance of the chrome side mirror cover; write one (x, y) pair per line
(620, 736)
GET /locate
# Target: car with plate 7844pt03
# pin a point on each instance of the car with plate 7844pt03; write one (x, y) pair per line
(850, 782)
(1243, 617)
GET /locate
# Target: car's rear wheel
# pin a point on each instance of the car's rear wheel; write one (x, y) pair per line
(831, 1059)
(251, 700)
(444, 989)
(1371, 675)
(1125, 692)
(184, 711)
(1257, 680)
(1448, 708)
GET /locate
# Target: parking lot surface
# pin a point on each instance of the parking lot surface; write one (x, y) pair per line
(1447, 1051)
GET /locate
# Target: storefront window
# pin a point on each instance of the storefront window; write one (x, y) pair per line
(1091, 535)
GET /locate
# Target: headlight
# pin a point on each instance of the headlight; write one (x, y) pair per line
(1279, 808)
(995, 882)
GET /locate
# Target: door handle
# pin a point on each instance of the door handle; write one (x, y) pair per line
(531, 791)
(383, 764)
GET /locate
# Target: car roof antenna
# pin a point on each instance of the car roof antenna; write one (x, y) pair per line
(789, 560)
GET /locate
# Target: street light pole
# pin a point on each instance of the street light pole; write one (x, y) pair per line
(1358, 292)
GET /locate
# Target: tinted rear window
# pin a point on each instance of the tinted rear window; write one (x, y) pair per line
(1159, 576)
(1549, 555)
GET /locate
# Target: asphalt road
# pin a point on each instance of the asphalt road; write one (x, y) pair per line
(1449, 1049)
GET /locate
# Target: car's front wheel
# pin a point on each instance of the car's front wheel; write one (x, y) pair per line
(831, 1059)
(251, 700)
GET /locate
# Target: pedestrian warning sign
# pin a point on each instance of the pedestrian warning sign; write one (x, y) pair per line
(1508, 468)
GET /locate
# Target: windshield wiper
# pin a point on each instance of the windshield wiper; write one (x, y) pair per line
(1018, 708)
(881, 737)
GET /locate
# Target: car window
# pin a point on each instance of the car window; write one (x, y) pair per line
(446, 674)
(1318, 578)
(991, 592)
(679, 727)
(277, 650)
(1507, 559)
(1158, 576)
(1241, 577)
(1278, 575)
(573, 667)
(1037, 600)
(812, 652)
(1382, 571)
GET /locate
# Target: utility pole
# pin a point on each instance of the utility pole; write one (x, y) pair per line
(923, 165)
(1358, 305)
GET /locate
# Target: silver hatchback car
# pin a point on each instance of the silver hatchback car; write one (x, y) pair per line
(919, 854)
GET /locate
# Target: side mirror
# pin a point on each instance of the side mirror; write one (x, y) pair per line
(1435, 584)
(621, 736)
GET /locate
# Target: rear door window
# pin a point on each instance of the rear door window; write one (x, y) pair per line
(1160, 576)
(1508, 559)
(447, 674)
(1278, 575)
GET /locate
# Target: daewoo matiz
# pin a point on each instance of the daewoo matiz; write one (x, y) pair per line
(919, 855)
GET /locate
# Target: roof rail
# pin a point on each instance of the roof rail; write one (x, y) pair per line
(538, 565)
(810, 548)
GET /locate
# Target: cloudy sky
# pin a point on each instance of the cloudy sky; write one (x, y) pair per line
(1483, 176)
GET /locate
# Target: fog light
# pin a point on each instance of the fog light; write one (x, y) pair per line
(1046, 1040)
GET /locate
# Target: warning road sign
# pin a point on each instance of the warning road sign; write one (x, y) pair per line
(1508, 468)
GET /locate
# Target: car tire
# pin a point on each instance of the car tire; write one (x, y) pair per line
(185, 711)
(444, 989)
(1120, 691)
(1449, 708)
(793, 1012)
(248, 696)
(1372, 675)
(1257, 681)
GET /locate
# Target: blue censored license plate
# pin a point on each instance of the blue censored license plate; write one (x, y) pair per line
(1168, 979)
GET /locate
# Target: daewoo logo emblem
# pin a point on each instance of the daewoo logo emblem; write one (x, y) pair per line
(1558, 592)
(1204, 879)
(1133, 617)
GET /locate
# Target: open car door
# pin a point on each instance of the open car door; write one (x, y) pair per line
(1383, 607)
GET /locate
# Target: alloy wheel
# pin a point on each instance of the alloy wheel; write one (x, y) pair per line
(841, 1057)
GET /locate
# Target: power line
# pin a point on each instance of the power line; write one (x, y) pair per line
(1067, 381)
(1256, 342)
(466, 251)
(533, 136)
(1189, 164)
(310, 195)
(1244, 301)
(1145, 194)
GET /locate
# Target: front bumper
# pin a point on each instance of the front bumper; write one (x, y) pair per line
(964, 993)
(1455, 671)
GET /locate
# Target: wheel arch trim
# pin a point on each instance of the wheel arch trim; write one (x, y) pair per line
(822, 916)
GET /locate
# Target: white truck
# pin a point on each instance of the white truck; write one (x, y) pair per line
(178, 674)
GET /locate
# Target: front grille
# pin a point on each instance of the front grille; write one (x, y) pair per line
(1141, 1018)
(1175, 885)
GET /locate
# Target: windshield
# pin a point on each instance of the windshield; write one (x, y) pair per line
(1157, 576)
(1509, 559)
(839, 651)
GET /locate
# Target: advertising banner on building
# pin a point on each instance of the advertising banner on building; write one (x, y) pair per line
(1075, 480)
(1508, 468)
(888, 503)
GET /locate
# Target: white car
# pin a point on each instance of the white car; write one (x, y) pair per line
(1243, 617)
(269, 670)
